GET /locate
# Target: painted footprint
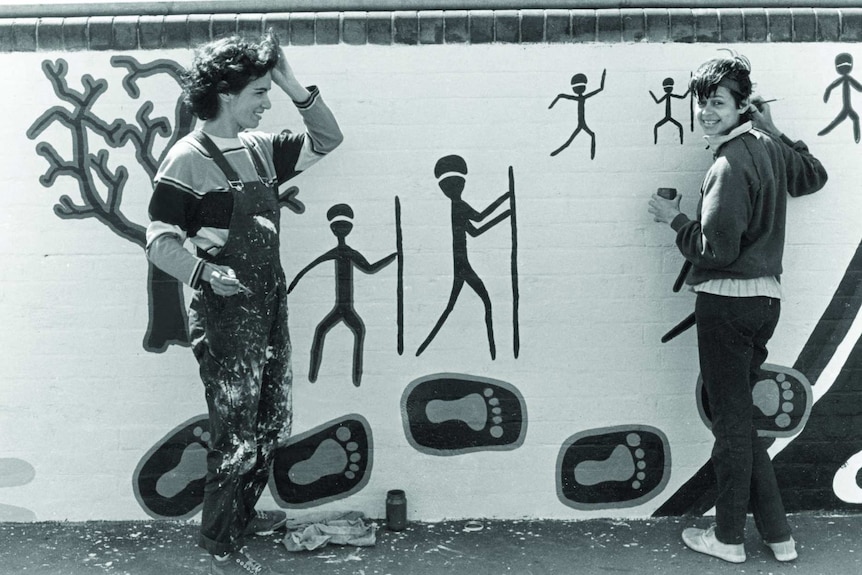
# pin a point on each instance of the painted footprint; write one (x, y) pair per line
(15, 473)
(450, 414)
(613, 467)
(329, 462)
(169, 480)
(783, 399)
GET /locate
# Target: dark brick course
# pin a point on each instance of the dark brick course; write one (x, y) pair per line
(804, 25)
(532, 26)
(431, 28)
(558, 26)
(706, 25)
(481, 26)
(756, 24)
(101, 33)
(379, 26)
(732, 26)
(353, 29)
(634, 25)
(457, 27)
(125, 33)
(584, 25)
(49, 34)
(681, 25)
(507, 26)
(327, 29)
(406, 25)
(301, 29)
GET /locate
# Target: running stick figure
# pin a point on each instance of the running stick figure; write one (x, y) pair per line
(579, 86)
(667, 86)
(450, 172)
(340, 218)
(843, 65)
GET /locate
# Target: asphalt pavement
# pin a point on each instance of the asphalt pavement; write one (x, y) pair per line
(828, 544)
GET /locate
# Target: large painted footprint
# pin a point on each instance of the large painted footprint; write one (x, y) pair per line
(450, 414)
(169, 480)
(330, 462)
(613, 467)
(783, 399)
(15, 473)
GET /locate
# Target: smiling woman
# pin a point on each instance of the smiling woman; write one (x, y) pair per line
(722, 88)
(217, 187)
(735, 246)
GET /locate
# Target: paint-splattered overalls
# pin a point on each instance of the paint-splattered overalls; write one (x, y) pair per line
(243, 347)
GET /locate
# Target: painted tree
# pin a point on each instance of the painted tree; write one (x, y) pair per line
(101, 187)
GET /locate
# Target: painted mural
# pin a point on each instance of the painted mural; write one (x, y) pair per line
(580, 96)
(345, 259)
(450, 414)
(451, 172)
(613, 467)
(843, 65)
(667, 87)
(15, 473)
(168, 323)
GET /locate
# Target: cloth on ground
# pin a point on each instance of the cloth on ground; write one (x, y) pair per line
(350, 528)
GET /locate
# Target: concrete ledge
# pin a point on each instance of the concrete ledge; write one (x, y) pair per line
(429, 27)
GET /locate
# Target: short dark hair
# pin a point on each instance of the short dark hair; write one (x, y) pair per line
(735, 70)
(226, 66)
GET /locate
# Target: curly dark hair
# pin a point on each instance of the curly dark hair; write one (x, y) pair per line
(226, 66)
(734, 70)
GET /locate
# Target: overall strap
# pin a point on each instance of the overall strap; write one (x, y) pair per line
(259, 166)
(232, 178)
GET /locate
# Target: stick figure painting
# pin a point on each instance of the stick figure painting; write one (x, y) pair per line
(579, 86)
(340, 218)
(667, 85)
(843, 65)
(450, 172)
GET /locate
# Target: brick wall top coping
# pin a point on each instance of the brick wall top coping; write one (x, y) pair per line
(429, 27)
(12, 9)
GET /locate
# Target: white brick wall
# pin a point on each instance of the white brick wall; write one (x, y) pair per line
(82, 402)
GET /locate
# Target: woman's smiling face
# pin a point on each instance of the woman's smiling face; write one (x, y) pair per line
(246, 107)
(718, 114)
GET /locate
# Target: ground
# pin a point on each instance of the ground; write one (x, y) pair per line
(827, 544)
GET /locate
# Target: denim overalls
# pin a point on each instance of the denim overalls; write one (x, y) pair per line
(243, 348)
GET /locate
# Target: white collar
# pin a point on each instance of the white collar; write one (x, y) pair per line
(716, 141)
(222, 142)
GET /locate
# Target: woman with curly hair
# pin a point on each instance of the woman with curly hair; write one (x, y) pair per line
(735, 246)
(218, 188)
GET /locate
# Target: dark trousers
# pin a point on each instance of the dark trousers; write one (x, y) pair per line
(245, 367)
(731, 335)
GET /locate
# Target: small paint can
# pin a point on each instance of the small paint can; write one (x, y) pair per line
(396, 510)
(667, 193)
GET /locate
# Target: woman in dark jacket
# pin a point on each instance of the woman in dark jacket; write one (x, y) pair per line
(735, 246)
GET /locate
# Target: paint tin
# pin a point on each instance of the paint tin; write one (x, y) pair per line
(396, 510)
(667, 193)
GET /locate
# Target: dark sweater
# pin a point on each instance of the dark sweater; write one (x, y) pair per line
(739, 230)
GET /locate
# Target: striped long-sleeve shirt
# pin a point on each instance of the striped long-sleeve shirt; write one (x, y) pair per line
(192, 199)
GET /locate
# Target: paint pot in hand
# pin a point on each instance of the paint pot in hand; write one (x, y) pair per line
(667, 193)
(396, 510)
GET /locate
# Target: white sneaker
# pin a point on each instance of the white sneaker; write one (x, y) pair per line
(785, 550)
(704, 541)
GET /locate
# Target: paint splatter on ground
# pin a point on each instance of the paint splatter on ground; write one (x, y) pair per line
(828, 545)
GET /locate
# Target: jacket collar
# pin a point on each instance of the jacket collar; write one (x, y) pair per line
(715, 142)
